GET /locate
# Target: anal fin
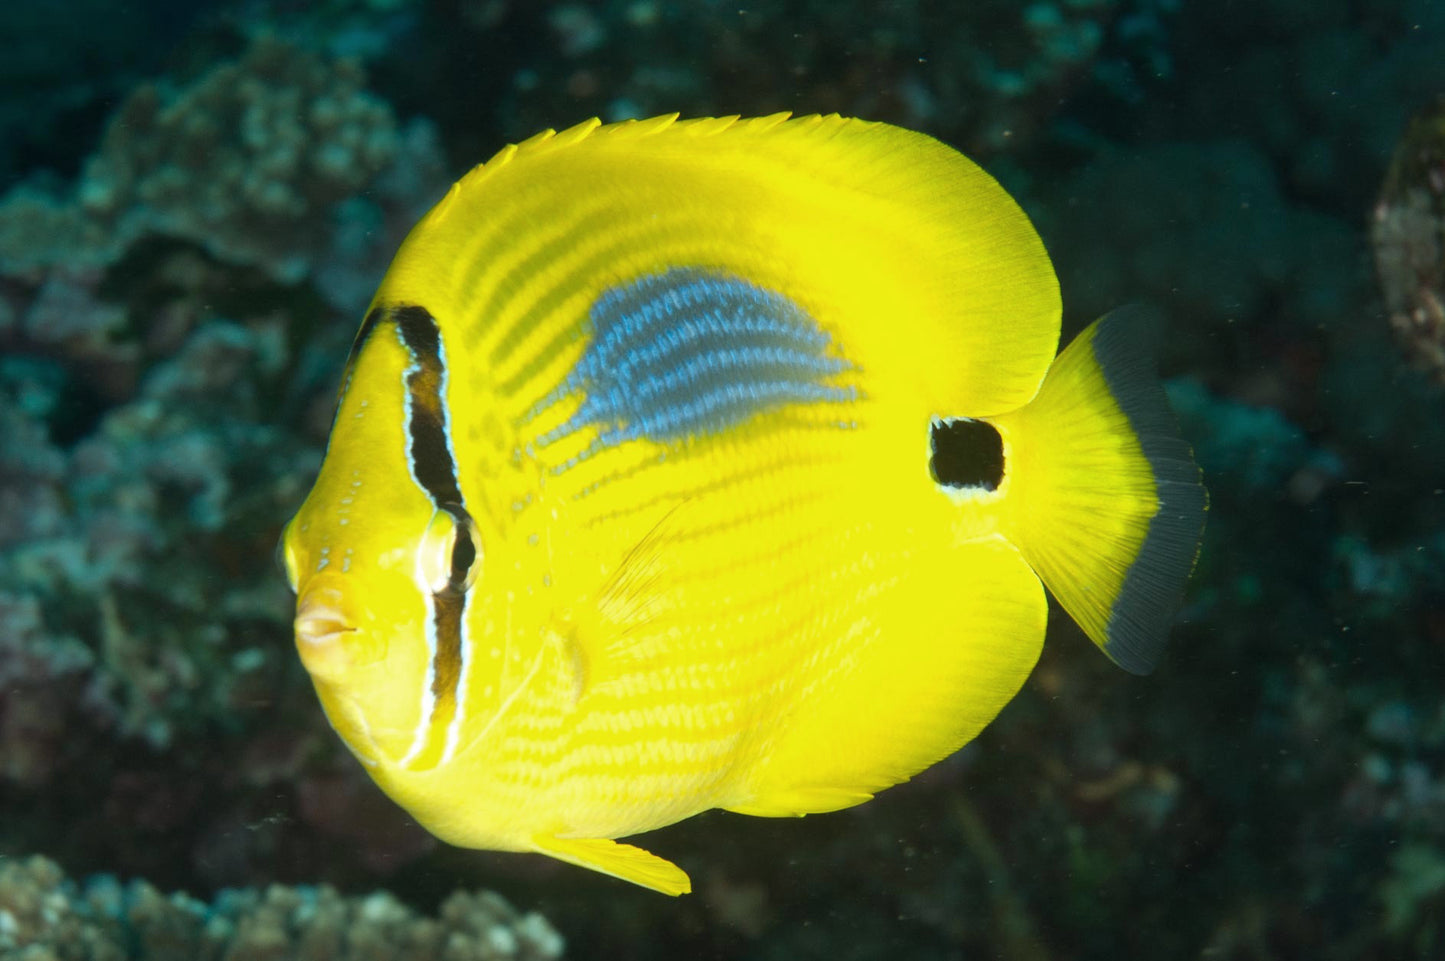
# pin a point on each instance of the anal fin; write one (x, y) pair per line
(622, 861)
(796, 802)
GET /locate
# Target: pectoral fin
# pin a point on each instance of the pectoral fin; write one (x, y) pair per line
(619, 860)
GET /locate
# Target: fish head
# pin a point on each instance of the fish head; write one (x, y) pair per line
(376, 564)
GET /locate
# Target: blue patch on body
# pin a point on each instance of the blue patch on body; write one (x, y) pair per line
(690, 352)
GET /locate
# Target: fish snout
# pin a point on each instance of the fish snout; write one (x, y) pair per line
(324, 625)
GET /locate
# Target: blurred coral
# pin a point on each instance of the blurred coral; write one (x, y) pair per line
(40, 677)
(1414, 898)
(45, 917)
(245, 162)
(1203, 230)
(124, 526)
(984, 75)
(251, 162)
(1408, 231)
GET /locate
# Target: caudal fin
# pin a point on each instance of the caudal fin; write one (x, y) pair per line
(1104, 498)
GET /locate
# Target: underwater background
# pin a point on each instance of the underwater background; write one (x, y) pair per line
(197, 201)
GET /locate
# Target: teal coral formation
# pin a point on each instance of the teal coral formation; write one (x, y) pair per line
(246, 162)
(46, 917)
(123, 526)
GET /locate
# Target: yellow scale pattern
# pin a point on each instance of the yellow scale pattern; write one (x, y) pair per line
(749, 619)
(762, 623)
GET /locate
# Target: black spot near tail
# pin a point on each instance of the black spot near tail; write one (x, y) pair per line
(965, 454)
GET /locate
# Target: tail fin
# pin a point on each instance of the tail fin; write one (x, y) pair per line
(1104, 499)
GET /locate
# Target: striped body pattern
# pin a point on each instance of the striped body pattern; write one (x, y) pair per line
(636, 475)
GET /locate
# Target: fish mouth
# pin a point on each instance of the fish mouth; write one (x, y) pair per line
(323, 628)
(321, 624)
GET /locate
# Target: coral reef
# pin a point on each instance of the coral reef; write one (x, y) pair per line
(45, 917)
(1408, 232)
(246, 163)
(123, 528)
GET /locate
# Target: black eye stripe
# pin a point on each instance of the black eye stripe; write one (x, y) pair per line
(427, 428)
(464, 552)
(427, 425)
(430, 458)
(464, 548)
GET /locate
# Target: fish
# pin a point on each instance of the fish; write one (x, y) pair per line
(685, 464)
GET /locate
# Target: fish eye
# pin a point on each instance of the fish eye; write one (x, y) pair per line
(449, 559)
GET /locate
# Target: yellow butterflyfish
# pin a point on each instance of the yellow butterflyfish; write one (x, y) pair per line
(718, 463)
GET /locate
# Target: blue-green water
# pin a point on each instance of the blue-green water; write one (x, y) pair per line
(198, 203)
